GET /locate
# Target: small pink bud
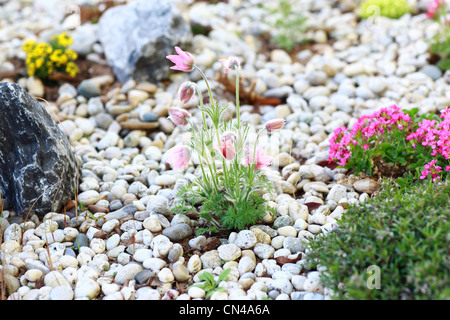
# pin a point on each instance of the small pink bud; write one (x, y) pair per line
(185, 92)
(184, 61)
(179, 116)
(274, 124)
(231, 63)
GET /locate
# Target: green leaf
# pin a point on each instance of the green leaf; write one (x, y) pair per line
(206, 276)
(224, 274)
(444, 64)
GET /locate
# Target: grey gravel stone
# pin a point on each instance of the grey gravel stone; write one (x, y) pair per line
(143, 276)
(121, 213)
(177, 232)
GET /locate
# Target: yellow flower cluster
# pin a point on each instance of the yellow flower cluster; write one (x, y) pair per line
(44, 59)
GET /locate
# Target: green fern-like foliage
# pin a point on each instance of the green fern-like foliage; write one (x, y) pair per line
(218, 209)
(244, 213)
(387, 8)
(290, 26)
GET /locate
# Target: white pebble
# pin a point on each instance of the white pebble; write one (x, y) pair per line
(33, 275)
(54, 279)
(287, 231)
(87, 288)
(196, 292)
(154, 264)
(142, 254)
(68, 261)
(165, 275)
(98, 245)
(152, 223)
(109, 225)
(61, 293)
(113, 242)
(194, 264)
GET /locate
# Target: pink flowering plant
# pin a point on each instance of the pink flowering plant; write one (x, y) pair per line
(440, 43)
(433, 135)
(394, 142)
(232, 170)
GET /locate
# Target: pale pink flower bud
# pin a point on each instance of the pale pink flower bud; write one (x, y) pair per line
(185, 92)
(184, 61)
(232, 63)
(274, 124)
(227, 149)
(179, 116)
(178, 156)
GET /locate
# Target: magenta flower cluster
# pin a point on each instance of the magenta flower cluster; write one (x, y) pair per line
(436, 136)
(364, 130)
(403, 135)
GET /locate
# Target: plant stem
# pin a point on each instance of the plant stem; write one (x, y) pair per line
(200, 97)
(252, 167)
(207, 83)
(213, 175)
(237, 99)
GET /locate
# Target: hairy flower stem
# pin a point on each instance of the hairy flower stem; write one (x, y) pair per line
(207, 83)
(200, 97)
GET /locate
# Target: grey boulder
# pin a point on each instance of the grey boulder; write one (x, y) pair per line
(38, 168)
(137, 37)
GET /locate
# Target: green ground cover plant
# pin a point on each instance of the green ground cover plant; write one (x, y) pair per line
(404, 233)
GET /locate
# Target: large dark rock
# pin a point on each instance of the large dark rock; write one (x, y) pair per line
(37, 164)
(137, 37)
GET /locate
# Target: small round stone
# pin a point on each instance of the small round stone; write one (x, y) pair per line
(61, 293)
(165, 275)
(229, 252)
(178, 232)
(196, 292)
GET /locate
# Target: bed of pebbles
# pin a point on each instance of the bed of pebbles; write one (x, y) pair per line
(124, 243)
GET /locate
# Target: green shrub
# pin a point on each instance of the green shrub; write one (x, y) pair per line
(388, 8)
(404, 231)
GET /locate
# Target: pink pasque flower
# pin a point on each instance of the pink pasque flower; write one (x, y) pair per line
(227, 149)
(232, 63)
(178, 156)
(184, 61)
(261, 161)
(179, 116)
(274, 124)
(185, 92)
